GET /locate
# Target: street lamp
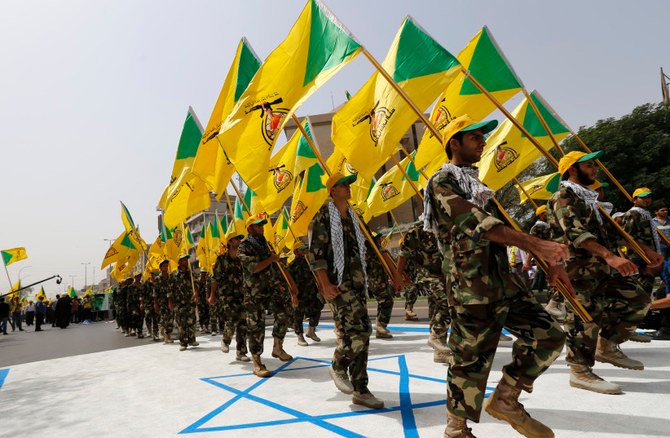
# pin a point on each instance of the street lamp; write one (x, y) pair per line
(21, 270)
(109, 240)
(86, 273)
(72, 280)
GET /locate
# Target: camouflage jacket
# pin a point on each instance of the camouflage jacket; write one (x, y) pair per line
(541, 230)
(321, 250)
(303, 277)
(421, 247)
(479, 270)
(572, 223)
(181, 290)
(162, 290)
(253, 250)
(203, 287)
(148, 293)
(229, 275)
(639, 228)
(121, 297)
(135, 292)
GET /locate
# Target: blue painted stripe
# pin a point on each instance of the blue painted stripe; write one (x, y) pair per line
(402, 328)
(3, 376)
(408, 421)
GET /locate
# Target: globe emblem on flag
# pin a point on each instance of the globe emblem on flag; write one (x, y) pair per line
(388, 191)
(442, 118)
(504, 156)
(298, 210)
(281, 178)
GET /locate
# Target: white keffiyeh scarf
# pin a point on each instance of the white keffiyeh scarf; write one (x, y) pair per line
(468, 182)
(654, 232)
(337, 239)
(590, 197)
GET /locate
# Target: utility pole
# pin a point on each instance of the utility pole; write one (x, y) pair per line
(86, 273)
(664, 87)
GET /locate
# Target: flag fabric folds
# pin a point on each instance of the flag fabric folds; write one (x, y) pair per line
(367, 129)
(121, 248)
(13, 255)
(487, 63)
(309, 195)
(315, 49)
(540, 188)
(508, 152)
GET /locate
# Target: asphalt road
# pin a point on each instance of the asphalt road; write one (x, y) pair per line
(51, 343)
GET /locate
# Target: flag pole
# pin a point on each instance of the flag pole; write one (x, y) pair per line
(8, 279)
(325, 168)
(574, 302)
(404, 173)
(518, 183)
(542, 121)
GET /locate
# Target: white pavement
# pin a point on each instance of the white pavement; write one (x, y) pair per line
(154, 390)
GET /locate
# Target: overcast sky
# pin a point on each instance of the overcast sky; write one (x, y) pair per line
(93, 94)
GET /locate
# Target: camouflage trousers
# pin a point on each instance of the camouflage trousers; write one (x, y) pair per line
(255, 304)
(234, 321)
(350, 310)
(166, 319)
(616, 305)
(411, 295)
(439, 302)
(203, 313)
(384, 296)
(474, 338)
(214, 317)
(309, 306)
(647, 283)
(122, 319)
(135, 319)
(151, 318)
(185, 319)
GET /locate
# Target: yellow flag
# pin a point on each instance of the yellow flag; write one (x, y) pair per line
(508, 152)
(487, 63)
(211, 163)
(315, 49)
(122, 248)
(276, 186)
(369, 126)
(309, 195)
(12, 255)
(203, 251)
(14, 289)
(540, 188)
(360, 189)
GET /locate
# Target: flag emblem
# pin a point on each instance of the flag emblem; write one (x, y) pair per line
(298, 210)
(281, 178)
(178, 235)
(504, 156)
(271, 119)
(389, 191)
(377, 118)
(442, 118)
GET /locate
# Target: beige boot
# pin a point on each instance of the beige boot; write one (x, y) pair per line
(367, 399)
(278, 351)
(241, 357)
(640, 337)
(259, 368)
(582, 376)
(341, 380)
(410, 315)
(556, 309)
(609, 352)
(311, 333)
(301, 340)
(457, 427)
(438, 344)
(168, 338)
(504, 405)
(225, 346)
(442, 356)
(381, 332)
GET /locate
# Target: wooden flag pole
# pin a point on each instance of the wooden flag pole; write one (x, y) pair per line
(404, 173)
(518, 183)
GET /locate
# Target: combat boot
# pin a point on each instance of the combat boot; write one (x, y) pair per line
(259, 368)
(301, 340)
(582, 376)
(242, 357)
(410, 315)
(168, 338)
(367, 399)
(341, 380)
(441, 356)
(381, 332)
(609, 352)
(556, 309)
(225, 347)
(504, 405)
(438, 344)
(278, 351)
(640, 337)
(311, 333)
(457, 427)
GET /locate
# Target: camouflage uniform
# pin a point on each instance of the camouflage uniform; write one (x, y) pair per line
(421, 247)
(412, 291)
(263, 290)
(310, 302)
(204, 312)
(161, 292)
(486, 297)
(350, 306)
(616, 303)
(150, 314)
(229, 277)
(120, 301)
(181, 292)
(542, 230)
(640, 229)
(379, 286)
(135, 314)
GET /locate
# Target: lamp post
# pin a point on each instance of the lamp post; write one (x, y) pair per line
(86, 273)
(72, 280)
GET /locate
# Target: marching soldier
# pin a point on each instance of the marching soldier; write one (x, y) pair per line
(182, 300)
(411, 291)
(134, 302)
(161, 292)
(310, 302)
(421, 247)
(227, 291)
(600, 277)
(150, 307)
(338, 259)
(204, 311)
(121, 303)
(264, 289)
(379, 288)
(485, 295)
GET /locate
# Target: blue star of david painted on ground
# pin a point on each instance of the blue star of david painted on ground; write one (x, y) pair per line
(406, 406)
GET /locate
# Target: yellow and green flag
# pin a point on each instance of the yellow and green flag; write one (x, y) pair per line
(13, 290)
(276, 186)
(211, 163)
(41, 293)
(488, 65)
(132, 230)
(122, 247)
(315, 49)
(203, 251)
(309, 195)
(13, 255)
(368, 128)
(540, 188)
(72, 293)
(508, 152)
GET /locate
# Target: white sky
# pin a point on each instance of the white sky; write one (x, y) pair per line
(93, 94)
